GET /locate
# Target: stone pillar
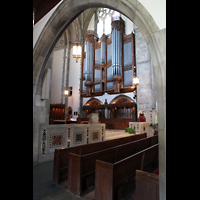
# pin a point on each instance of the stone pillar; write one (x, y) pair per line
(90, 37)
(118, 29)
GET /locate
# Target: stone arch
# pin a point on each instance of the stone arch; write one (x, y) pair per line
(122, 98)
(68, 10)
(65, 13)
(93, 101)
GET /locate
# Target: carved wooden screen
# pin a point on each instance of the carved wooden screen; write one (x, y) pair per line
(103, 70)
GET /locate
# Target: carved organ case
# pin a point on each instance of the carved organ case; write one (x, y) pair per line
(108, 65)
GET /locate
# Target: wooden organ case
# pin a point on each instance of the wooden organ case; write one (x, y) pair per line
(108, 65)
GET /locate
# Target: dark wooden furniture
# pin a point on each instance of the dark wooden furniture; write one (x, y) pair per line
(57, 112)
(117, 114)
(81, 168)
(60, 169)
(117, 123)
(147, 186)
(111, 178)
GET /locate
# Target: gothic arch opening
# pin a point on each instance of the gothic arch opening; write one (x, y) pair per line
(93, 101)
(122, 99)
(93, 105)
(65, 13)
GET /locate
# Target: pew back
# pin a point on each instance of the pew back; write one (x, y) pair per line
(60, 168)
(147, 186)
(114, 175)
(86, 162)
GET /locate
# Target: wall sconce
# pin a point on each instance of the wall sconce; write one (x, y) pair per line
(33, 16)
(66, 92)
(136, 81)
(76, 52)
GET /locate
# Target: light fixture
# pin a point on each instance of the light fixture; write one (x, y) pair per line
(76, 52)
(33, 16)
(136, 81)
(66, 92)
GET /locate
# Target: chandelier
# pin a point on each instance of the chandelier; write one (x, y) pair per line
(76, 52)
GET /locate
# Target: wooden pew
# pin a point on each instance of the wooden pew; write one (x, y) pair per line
(147, 186)
(60, 168)
(111, 177)
(81, 171)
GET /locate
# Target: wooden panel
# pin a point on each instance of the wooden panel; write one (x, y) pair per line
(87, 163)
(57, 112)
(147, 186)
(103, 181)
(117, 123)
(74, 173)
(128, 165)
(61, 155)
(123, 170)
(151, 155)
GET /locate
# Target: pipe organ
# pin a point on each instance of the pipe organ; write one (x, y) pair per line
(108, 65)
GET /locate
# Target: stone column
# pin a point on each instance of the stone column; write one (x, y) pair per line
(118, 29)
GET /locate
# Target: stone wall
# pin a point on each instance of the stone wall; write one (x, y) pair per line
(146, 90)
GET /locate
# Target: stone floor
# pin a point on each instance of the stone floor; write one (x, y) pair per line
(45, 189)
(114, 133)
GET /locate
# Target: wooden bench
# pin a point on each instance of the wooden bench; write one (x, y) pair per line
(111, 177)
(60, 168)
(81, 170)
(147, 186)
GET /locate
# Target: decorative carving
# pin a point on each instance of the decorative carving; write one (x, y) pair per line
(89, 85)
(91, 36)
(118, 24)
(103, 66)
(97, 67)
(117, 79)
(97, 45)
(103, 38)
(109, 64)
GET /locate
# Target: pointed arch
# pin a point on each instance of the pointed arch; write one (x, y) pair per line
(122, 99)
(64, 14)
(93, 101)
